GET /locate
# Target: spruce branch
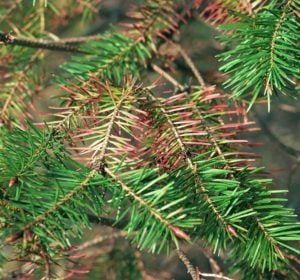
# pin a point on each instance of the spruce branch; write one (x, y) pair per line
(39, 224)
(118, 49)
(109, 126)
(103, 147)
(73, 40)
(274, 243)
(268, 42)
(199, 184)
(214, 141)
(153, 212)
(147, 154)
(268, 83)
(113, 60)
(43, 222)
(40, 218)
(9, 39)
(182, 88)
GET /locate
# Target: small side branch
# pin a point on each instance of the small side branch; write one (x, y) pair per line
(193, 168)
(215, 276)
(168, 77)
(190, 268)
(13, 237)
(8, 39)
(100, 239)
(192, 66)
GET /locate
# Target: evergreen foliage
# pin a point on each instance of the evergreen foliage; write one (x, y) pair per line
(265, 56)
(113, 56)
(167, 168)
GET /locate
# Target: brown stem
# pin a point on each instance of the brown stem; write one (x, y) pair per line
(100, 239)
(190, 268)
(8, 39)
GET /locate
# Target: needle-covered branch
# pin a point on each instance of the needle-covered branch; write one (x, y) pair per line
(165, 164)
(265, 56)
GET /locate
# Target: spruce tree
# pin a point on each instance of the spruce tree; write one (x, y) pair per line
(98, 129)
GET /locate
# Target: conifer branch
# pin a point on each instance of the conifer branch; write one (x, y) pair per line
(164, 169)
(111, 123)
(203, 124)
(276, 31)
(272, 241)
(218, 12)
(139, 200)
(104, 123)
(218, 149)
(126, 92)
(73, 40)
(272, 63)
(40, 218)
(268, 85)
(199, 185)
(259, 223)
(112, 62)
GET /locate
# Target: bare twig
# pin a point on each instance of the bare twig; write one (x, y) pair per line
(190, 269)
(168, 77)
(217, 276)
(191, 64)
(71, 40)
(67, 45)
(100, 239)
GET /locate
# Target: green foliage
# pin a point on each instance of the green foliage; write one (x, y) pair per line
(49, 188)
(265, 56)
(166, 168)
(40, 190)
(157, 207)
(45, 189)
(112, 57)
